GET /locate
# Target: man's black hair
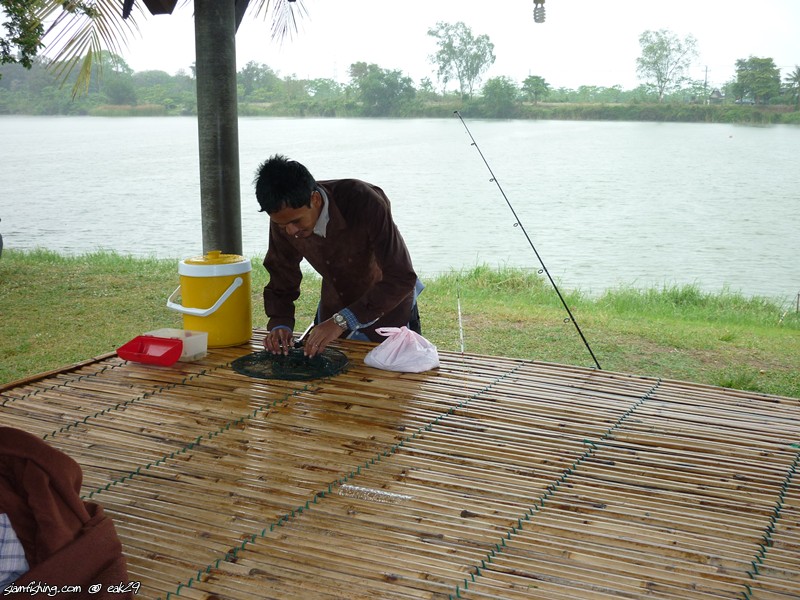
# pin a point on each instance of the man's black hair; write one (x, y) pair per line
(283, 183)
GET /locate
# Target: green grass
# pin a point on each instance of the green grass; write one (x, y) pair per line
(56, 311)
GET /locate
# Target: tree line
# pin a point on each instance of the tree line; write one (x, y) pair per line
(460, 61)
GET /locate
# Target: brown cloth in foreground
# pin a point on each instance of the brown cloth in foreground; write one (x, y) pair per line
(67, 542)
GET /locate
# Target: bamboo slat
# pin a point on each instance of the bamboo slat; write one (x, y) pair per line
(488, 478)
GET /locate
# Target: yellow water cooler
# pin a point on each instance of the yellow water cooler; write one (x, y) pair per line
(215, 293)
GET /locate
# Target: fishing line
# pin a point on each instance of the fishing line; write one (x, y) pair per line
(519, 224)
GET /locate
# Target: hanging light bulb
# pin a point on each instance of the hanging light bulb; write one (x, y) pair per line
(538, 11)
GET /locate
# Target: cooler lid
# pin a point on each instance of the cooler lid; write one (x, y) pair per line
(214, 263)
(214, 257)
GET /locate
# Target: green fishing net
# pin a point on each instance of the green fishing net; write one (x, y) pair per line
(294, 366)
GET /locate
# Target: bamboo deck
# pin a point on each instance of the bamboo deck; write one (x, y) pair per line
(489, 478)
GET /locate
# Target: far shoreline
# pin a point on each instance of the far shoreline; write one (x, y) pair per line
(632, 112)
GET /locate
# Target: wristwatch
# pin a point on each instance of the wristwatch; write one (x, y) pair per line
(340, 321)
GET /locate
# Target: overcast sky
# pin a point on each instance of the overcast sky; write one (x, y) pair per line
(582, 42)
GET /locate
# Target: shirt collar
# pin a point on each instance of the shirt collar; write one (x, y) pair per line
(321, 225)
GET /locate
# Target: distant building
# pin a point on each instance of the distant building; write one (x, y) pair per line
(715, 97)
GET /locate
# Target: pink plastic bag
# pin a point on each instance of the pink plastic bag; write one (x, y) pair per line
(402, 350)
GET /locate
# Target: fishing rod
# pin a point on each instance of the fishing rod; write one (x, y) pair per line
(519, 224)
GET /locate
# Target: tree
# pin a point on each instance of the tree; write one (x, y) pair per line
(588, 93)
(757, 79)
(461, 56)
(695, 91)
(155, 87)
(182, 93)
(499, 98)
(23, 32)
(120, 90)
(665, 60)
(256, 76)
(426, 91)
(144, 79)
(382, 92)
(792, 81)
(610, 95)
(324, 89)
(294, 89)
(535, 88)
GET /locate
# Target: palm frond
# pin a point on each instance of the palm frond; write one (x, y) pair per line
(78, 31)
(285, 16)
(793, 78)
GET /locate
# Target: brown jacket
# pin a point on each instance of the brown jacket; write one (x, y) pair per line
(363, 260)
(67, 542)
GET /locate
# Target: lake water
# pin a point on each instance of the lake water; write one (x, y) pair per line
(605, 203)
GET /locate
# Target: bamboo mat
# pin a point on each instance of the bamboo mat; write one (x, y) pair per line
(489, 478)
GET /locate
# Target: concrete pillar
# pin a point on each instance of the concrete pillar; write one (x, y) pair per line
(217, 123)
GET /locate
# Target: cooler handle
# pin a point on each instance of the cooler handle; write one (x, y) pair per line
(203, 312)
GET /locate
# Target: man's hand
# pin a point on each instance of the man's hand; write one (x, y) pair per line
(319, 337)
(278, 341)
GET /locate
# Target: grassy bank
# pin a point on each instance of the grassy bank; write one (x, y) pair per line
(56, 311)
(668, 112)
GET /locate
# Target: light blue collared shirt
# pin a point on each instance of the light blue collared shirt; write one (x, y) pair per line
(321, 226)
